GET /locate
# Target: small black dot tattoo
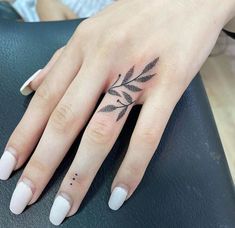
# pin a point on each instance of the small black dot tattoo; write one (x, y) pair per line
(74, 178)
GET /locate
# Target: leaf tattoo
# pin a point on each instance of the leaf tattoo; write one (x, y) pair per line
(128, 75)
(150, 66)
(114, 92)
(108, 108)
(145, 78)
(127, 83)
(133, 88)
(127, 97)
(122, 113)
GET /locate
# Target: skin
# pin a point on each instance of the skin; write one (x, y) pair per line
(53, 10)
(181, 34)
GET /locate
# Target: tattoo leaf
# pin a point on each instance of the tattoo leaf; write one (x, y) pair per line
(127, 97)
(150, 66)
(122, 113)
(145, 78)
(128, 75)
(132, 88)
(108, 108)
(114, 92)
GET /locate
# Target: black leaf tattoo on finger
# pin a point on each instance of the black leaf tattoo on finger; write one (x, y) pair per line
(128, 75)
(108, 108)
(127, 83)
(114, 92)
(122, 113)
(127, 97)
(149, 66)
(133, 88)
(145, 78)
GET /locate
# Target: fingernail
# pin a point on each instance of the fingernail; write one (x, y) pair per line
(117, 198)
(7, 165)
(20, 197)
(59, 210)
(25, 88)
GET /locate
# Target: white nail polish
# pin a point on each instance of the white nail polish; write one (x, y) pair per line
(7, 165)
(20, 198)
(59, 210)
(25, 88)
(117, 198)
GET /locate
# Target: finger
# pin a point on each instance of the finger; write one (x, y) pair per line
(27, 133)
(98, 139)
(65, 123)
(70, 15)
(151, 123)
(36, 79)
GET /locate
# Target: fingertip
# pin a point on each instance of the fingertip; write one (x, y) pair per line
(26, 88)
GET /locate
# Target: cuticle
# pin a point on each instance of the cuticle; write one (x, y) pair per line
(12, 151)
(28, 182)
(66, 196)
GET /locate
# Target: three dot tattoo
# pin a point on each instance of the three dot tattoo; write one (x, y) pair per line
(74, 178)
(125, 99)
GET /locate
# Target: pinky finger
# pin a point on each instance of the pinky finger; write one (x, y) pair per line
(37, 78)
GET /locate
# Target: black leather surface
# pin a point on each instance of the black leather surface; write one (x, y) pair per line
(187, 183)
(7, 12)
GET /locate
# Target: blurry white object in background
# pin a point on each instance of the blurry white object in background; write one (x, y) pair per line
(26, 9)
(82, 8)
(86, 8)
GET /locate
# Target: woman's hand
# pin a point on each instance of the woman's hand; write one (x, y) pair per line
(135, 53)
(53, 10)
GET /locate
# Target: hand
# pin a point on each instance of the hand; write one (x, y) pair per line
(53, 10)
(146, 54)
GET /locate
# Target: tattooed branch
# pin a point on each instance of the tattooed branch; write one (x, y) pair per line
(127, 83)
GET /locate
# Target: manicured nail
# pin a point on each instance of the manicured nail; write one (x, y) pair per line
(25, 88)
(21, 196)
(7, 165)
(59, 210)
(117, 198)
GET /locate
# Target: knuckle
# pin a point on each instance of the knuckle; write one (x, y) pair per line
(115, 39)
(58, 52)
(37, 167)
(99, 132)
(175, 72)
(43, 93)
(147, 136)
(107, 45)
(62, 118)
(134, 170)
(84, 28)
